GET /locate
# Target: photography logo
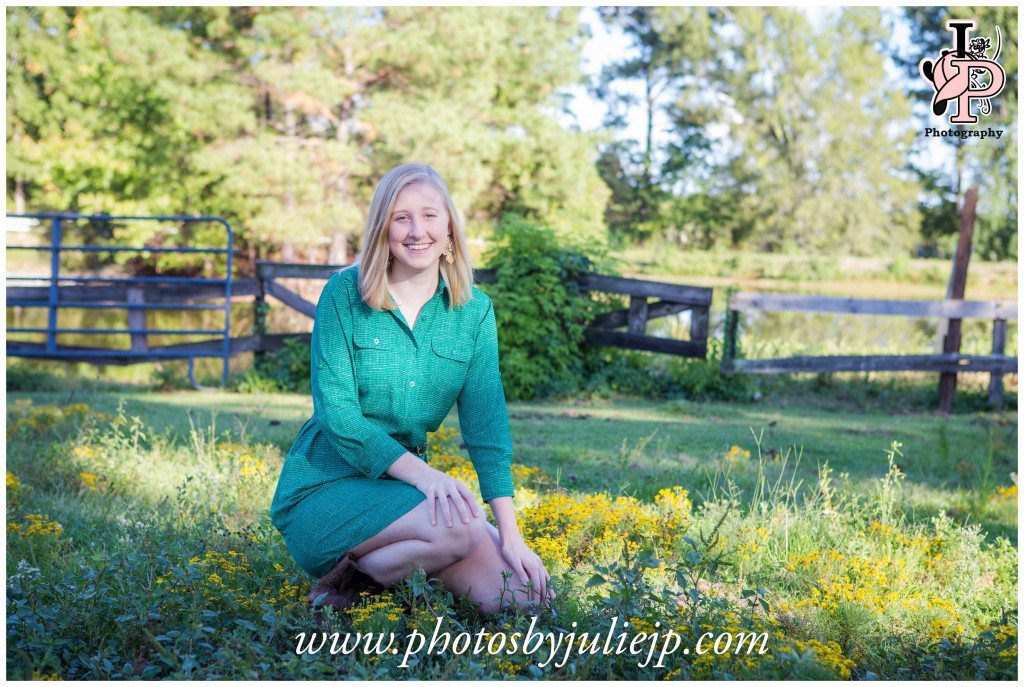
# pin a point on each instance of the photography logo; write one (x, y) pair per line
(958, 73)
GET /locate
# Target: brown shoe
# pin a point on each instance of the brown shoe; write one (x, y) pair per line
(361, 582)
(335, 586)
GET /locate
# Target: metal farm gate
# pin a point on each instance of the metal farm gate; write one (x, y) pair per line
(135, 295)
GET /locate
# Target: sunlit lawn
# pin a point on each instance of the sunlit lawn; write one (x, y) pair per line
(635, 447)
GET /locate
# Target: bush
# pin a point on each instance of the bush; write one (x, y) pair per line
(24, 378)
(286, 369)
(539, 309)
(651, 375)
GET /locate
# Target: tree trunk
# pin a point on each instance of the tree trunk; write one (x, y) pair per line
(338, 253)
(649, 142)
(287, 251)
(287, 246)
(19, 196)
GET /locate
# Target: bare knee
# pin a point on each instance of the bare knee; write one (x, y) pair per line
(461, 539)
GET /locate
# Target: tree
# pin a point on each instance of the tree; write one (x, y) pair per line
(813, 152)
(480, 110)
(292, 175)
(106, 108)
(670, 49)
(282, 119)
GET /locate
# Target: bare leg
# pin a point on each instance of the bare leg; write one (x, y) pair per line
(466, 557)
(411, 542)
(480, 573)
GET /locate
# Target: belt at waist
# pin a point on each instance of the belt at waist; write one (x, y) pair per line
(417, 450)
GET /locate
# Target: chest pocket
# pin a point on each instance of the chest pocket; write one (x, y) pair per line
(451, 363)
(376, 354)
(455, 352)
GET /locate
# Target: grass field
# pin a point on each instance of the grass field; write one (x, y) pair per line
(881, 539)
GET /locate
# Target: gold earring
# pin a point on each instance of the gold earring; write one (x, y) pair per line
(449, 256)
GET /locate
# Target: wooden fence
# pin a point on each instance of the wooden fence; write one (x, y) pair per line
(671, 299)
(648, 300)
(997, 364)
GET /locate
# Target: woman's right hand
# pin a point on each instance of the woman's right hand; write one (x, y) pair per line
(436, 486)
(447, 490)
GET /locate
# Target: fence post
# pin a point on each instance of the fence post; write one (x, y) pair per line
(137, 318)
(636, 321)
(54, 291)
(259, 311)
(947, 380)
(731, 330)
(729, 342)
(995, 384)
(699, 317)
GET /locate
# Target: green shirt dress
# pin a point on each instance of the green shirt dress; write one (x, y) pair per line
(378, 388)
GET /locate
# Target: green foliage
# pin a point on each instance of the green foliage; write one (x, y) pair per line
(171, 375)
(649, 375)
(794, 102)
(95, 127)
(793, 176)
(282, 119)
(539, 309)
(668, 45)
(286, 369)
(703, 379)
(21, 377)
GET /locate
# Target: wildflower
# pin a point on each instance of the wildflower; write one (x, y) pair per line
(676, 499)
(88, 481)
(36, 675)
(375, 613)
(39, 525)
(252, 467)
(508, 668)
(13, 487)
(1006, 493)
(735, 453)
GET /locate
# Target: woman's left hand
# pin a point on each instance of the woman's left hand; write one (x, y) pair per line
(528, 567)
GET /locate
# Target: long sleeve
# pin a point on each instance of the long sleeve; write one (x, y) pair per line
(336, 407)
(483, 416)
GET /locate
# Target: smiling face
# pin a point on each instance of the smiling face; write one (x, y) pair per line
(418, 230)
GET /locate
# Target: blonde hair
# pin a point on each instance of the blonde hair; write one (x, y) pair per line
(373, 258)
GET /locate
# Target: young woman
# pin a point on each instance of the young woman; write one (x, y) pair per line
(399, 337)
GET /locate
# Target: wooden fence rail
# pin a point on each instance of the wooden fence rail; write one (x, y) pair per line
(673, 298)
(997, 364)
